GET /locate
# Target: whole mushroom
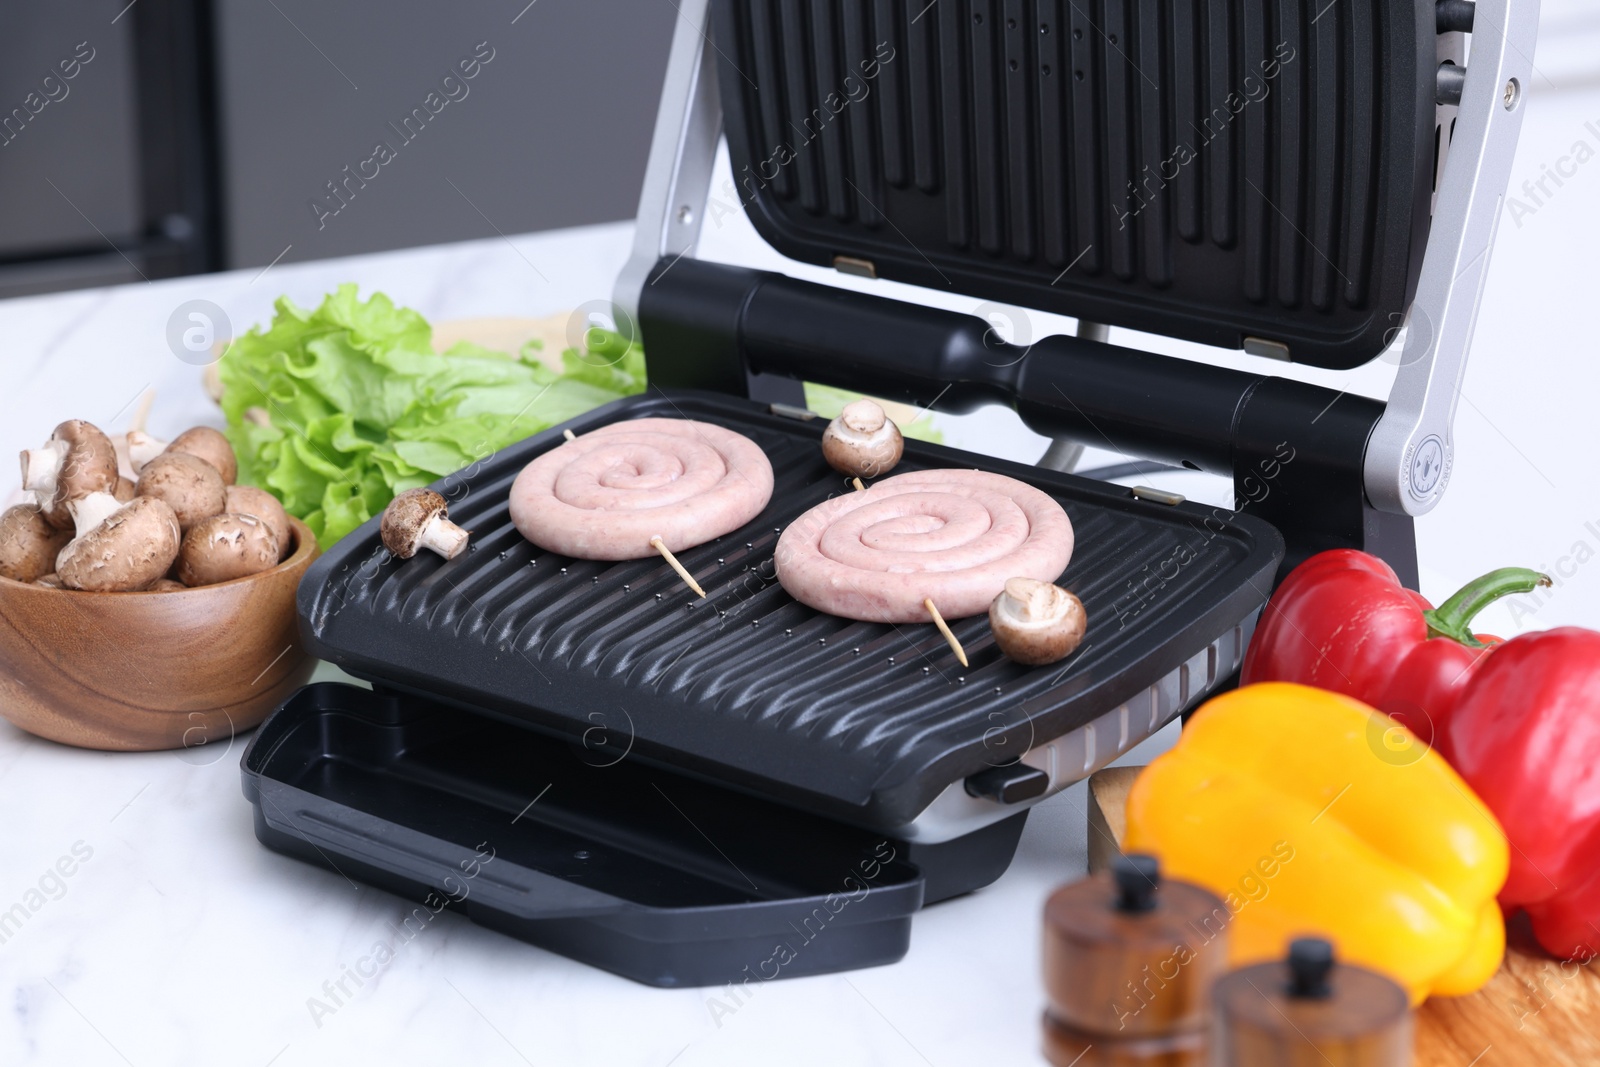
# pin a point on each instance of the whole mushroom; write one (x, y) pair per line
(28, 544)
(863, 442)
(119, 547)
(76, 461)
(248, 500)
(202, 442)
(225, 547)
(192, 486)
(417, 519)
(1035, 622)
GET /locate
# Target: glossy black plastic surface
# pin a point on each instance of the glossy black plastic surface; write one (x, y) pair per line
(1217, 171)
(585, 853)
(861, 722)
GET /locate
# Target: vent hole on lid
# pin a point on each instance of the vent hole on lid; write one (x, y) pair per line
(977, 17)
(1077, 35)
(1012, 65)
(1044, 27)
(1113, 39)
(1078, 74)
(1011, 24)
(1046, 70)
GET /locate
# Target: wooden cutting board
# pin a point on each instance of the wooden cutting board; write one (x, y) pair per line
(1535, 1010)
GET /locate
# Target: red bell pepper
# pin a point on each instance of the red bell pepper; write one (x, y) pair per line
(1525, 734)
(1521, 725)
(1342, 621)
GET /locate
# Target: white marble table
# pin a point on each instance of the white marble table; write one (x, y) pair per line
(178, 940)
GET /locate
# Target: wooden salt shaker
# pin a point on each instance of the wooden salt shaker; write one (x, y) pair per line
(1129, 961)
(1309, 1013)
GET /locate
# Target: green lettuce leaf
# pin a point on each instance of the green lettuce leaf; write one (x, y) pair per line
(338, 408)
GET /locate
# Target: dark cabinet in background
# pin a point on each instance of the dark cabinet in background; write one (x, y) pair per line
(106, 153)
(210, 134)
(553, 130)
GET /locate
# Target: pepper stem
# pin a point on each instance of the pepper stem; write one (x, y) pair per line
(1453, 618)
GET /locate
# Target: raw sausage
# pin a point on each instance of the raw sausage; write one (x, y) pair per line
(954, 536)
(606, 494)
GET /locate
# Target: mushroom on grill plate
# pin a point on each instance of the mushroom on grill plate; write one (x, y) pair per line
(1035, 622)
(417, 519)
(863, 442)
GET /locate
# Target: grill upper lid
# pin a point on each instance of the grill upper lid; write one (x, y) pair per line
(1212, 171)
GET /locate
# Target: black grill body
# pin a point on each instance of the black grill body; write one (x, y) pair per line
(674, 786)
(692, 792)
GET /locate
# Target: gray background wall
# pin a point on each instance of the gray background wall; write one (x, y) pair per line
(552, 132)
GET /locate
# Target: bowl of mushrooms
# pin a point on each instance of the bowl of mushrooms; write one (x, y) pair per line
(146, 601)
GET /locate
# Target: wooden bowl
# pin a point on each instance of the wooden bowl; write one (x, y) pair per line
(135, 672)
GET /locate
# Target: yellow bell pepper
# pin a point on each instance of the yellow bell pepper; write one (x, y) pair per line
(1311, 813)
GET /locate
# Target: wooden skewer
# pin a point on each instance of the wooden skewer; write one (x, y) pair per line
(688, 579)
(857, 483)
(569, 435)
(944, 628)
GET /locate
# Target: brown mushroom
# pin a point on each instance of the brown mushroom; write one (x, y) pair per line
(126, 490)
(211, 446)
(28, 544)
(225, 547)
(76, 461)
(1035, 622)
(142, 448)
(166, 585)
(119, 547)
(50, 581)
(248, 500)
(188, 483)
(417, 519)
(863, 442)
(202, 442)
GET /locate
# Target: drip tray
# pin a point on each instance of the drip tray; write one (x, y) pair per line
(646, 874)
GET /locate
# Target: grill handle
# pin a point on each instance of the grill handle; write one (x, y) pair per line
(711, 326)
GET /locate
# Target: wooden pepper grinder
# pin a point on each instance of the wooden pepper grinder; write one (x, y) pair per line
(1129, 961)
(1310, 1013)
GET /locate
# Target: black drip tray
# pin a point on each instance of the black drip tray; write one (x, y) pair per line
(863, 722)
(651, 876)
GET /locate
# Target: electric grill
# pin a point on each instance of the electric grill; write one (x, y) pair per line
(668, 787)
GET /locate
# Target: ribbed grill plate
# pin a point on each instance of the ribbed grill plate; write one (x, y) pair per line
(748, 688)
(1209, 169)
